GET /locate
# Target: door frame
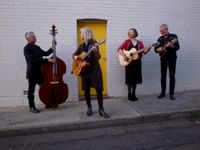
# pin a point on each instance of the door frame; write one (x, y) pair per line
(93, 20)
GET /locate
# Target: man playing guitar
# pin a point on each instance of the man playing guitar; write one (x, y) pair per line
(167, 50)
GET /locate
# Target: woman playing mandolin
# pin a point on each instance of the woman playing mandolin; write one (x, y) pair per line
(92, 75)
(134, 69)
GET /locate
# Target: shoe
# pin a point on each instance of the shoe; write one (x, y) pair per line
(89, 112)
(103, 114)
(129, 96)
(161, 95)
(134, 98)
(34, 110)
(172, 97)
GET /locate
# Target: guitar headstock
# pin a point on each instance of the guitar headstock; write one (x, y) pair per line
(100, 42)
(173, 41)
(53, 31)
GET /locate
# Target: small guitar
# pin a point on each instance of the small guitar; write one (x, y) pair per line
(133, 54)
(163, 49)
(79, 65)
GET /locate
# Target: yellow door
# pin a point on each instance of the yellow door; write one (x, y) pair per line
(99, 31)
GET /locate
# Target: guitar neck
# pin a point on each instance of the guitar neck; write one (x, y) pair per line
(172, 42)
(91, 49)
(54, 47)
(87, 53)
(140, 51)
(143, 49)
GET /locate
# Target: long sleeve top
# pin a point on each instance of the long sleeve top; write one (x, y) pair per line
(94, 68)
(34, 59)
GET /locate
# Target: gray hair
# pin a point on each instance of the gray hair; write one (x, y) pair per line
(164, 26)
(27, 34)
(88, 33)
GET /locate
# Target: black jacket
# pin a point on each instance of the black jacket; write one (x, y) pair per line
(171, 52)
(94, 69)
(34, 59)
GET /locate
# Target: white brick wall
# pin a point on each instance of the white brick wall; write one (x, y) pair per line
(17, 17)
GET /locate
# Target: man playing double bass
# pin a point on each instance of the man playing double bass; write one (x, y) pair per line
(34, 59)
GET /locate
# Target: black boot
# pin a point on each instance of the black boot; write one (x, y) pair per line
(172, 97)
(134, 98)
(89, 111)
(161, 95)
(103, 113)
(129, 96)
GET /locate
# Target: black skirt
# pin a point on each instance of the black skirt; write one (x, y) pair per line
(95, 82)
(92, 77)
(134, 70)
(134, 73)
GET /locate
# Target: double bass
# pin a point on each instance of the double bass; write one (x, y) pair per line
(53, 91)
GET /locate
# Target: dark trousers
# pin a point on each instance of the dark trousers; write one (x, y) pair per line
(31, 90)
(132, 89)
(88, 96)
(172, 70)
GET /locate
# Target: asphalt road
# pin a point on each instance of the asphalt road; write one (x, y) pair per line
(167, 135)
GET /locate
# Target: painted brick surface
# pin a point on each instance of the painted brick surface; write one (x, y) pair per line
(17, 17)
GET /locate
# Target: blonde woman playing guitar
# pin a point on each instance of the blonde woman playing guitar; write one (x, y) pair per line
(92, 74)
(132, 68)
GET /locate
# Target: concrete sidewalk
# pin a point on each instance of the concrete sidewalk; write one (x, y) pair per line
(72, 115)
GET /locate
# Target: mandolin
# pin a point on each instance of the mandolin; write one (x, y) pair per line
(133, 54)
(79, 65)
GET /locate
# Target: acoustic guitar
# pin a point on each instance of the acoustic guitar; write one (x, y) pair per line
(133, 54)
(163, 49)
(79, 65)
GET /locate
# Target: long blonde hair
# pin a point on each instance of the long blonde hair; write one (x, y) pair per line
(87, 33)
